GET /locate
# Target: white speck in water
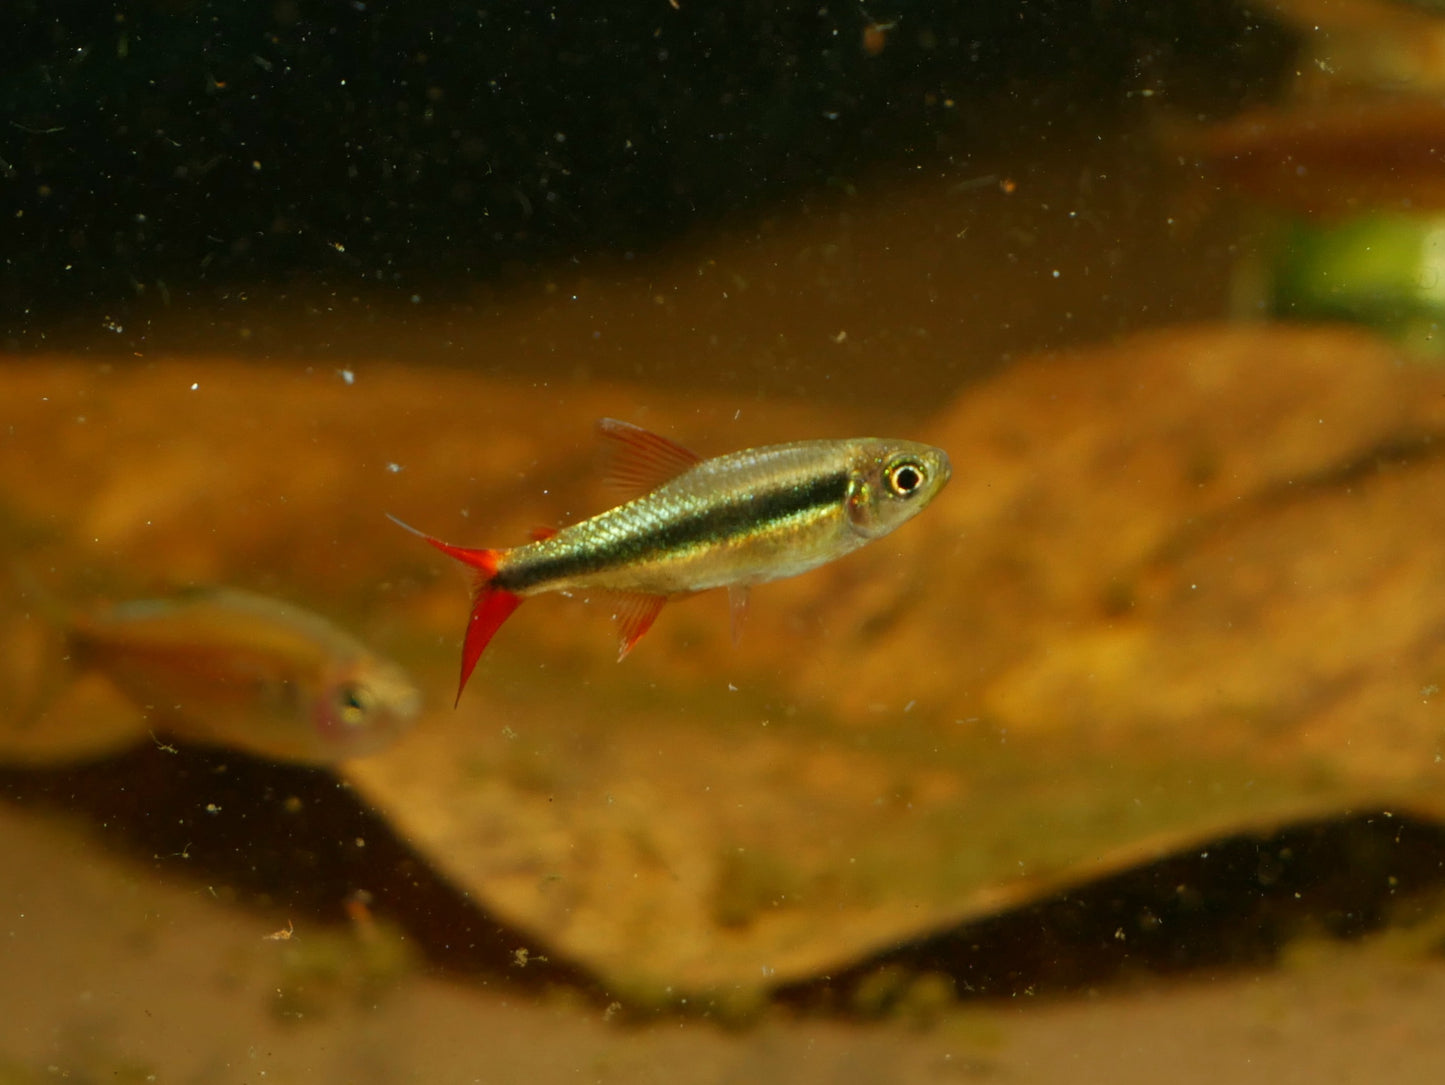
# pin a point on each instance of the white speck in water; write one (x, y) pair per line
(195, 386)
(346, 375)
(394, 468)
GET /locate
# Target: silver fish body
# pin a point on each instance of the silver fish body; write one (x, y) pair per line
(736, 520)
(728, 522)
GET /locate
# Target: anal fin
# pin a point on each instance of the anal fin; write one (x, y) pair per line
(634, 614)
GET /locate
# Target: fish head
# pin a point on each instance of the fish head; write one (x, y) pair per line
(891, 482)
(363, 706)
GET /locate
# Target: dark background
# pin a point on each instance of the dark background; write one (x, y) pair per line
(171, 147)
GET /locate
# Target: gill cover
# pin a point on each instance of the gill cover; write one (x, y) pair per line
(863, 505)
(884, 492)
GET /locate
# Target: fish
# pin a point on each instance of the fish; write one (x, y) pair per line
(696, 524)
(224, 667)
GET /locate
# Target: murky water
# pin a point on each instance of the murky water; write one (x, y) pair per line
(895, 293)
(1144, 707)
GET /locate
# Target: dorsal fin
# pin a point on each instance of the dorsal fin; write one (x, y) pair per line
(636, 460)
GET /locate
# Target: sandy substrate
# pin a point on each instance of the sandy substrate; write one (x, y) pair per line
(115, 974)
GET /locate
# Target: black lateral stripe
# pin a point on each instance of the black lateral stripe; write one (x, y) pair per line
(738, 515)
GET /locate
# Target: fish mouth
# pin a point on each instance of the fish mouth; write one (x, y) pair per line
(945, 467)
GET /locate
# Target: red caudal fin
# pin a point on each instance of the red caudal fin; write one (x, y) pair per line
(491, 605)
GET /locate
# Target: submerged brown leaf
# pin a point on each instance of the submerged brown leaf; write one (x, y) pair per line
(1182, 586)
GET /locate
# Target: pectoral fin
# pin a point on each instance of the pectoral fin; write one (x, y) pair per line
(738, 608)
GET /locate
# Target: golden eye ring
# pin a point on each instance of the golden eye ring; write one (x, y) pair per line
(906, 478)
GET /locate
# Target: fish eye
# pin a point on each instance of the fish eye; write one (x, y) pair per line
(354, 703)
(905, 477)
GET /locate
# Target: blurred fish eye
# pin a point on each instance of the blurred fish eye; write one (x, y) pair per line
(905, 477)
(354, 703)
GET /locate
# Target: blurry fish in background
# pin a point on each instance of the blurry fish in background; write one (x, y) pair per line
(728, 522)
(223, 667)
